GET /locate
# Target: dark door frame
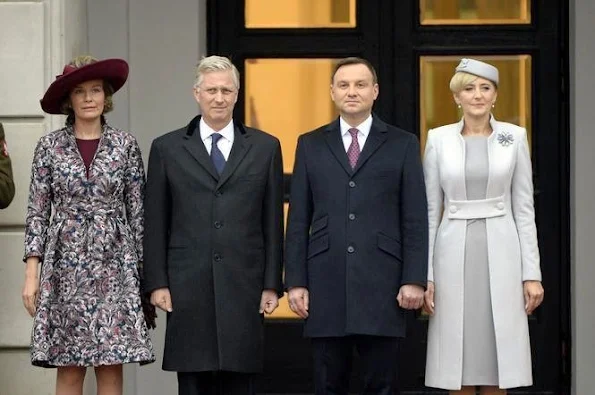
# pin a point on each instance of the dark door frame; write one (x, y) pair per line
(389, 34)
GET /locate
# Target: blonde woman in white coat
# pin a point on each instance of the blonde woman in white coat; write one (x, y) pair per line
(484, 276)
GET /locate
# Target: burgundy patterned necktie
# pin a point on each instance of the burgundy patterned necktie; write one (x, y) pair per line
(354, 150)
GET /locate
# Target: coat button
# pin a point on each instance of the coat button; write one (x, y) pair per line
(351, 249)
(217, 257)
(218, 225)
(351, 216)
(453, 209)
(218, 193)
(500, 206)
(351, 184)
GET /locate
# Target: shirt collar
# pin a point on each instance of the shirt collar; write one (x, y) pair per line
(364, 127)
(206, 131)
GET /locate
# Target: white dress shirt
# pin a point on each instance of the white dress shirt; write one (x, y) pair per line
(224, 143)
(362, 135)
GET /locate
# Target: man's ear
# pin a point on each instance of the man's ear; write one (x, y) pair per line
(195, 92)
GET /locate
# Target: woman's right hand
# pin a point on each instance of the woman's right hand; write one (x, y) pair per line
(30, 294)
(429, 298)
(31, 287)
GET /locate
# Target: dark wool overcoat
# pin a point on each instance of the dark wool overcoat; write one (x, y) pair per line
(355, 236)
(216, 243)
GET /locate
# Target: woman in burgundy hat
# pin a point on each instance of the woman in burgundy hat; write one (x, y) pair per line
(85, 226)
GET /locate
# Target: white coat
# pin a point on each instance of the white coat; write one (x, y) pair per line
(513, 254)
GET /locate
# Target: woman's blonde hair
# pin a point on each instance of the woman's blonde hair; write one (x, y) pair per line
(108, 105)
(462, 79)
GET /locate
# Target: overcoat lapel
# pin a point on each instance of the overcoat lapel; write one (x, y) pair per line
(500, 155)
(458, 152)
(335, 144)
(196, 148)
(239, 149)
(194, 145)
(458, 155)
(103, 151)
(375, 139)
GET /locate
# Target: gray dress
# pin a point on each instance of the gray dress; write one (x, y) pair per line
(479, 339)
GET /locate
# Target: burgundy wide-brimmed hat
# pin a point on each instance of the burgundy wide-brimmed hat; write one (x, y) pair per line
(114, 71)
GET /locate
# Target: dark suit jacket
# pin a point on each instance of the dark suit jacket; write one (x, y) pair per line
(6, 179)
(355, 236)
(216, 242)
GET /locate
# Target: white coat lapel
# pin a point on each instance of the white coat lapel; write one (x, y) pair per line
(454, 153)
(501, 155)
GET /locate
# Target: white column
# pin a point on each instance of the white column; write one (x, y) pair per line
(36, 39)
(162, 42)
(582, 126)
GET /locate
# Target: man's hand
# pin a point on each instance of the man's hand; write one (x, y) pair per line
(533, 291)
(269, 301)
(411, 296)
(299, 301)
(162, 298)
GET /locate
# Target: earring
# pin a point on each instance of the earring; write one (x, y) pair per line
(493, 104)
(458, 106)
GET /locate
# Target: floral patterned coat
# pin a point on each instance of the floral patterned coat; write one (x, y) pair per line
(87, 232)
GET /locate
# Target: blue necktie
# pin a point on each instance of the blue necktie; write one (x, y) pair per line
(216, 154)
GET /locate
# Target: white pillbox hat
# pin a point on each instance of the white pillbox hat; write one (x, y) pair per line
(479, 69)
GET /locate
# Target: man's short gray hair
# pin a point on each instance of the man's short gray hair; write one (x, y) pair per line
(213, 63)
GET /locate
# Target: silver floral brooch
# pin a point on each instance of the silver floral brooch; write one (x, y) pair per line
(505, 138)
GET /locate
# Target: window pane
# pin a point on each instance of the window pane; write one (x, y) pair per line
(299, 13)
(288, 97)
(474, 12)
(437, 106)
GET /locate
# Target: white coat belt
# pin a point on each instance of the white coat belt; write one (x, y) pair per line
(476, 209)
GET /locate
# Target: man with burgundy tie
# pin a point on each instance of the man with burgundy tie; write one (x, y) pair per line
(214, 239)
(357, 236)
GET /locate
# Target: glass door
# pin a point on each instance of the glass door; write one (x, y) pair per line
(285, 51)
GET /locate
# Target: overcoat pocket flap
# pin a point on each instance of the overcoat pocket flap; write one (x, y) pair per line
(317, 246)
(389, 245)
(319, 224)
(177, 242)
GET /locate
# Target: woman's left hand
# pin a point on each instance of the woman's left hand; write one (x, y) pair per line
(533, 291)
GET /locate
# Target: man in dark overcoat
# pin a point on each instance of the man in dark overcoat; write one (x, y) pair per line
(213, 239)
(357, 236)
(6, 179)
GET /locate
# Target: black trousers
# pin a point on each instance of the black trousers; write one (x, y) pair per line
(215, 383)
(333, 359)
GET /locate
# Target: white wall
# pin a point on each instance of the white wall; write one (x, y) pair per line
(162, 42)
(36, 39)
(582, 114)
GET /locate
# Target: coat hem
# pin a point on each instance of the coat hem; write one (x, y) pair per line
(199, 370)
(50, 365)
(452, 387)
